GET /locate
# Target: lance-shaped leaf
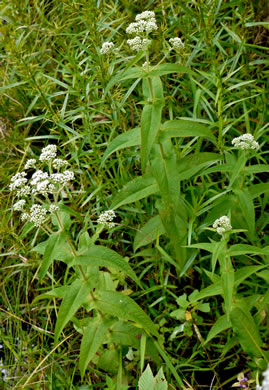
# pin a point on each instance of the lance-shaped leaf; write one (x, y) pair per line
(227, 279)
(54, 250)
(188, 166)
(138, 72)
(149, 232)
(93, 337)
(243, 249)
(247, 207)
(137, 189)
(74, 297)
(173, 212)
(185, 128)
(101, 256)
(220, 325)
(247, 332)
(122, 141)
(151, 120)
(122, 306)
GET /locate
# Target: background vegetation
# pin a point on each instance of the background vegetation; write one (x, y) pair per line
(54, 89)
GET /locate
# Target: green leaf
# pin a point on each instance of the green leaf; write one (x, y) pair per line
(247, 332)
(74, 297)
(150, 124)
(58, 292)
(243, 249)
(258, 189)
(172, 209)
(210, 247)
(137, 189)
(159, 70)
(149, 232)
(185, 128)
(245, 272)
(163, 69)
(93, 337)
(210, 291)
(101, 256)
(239, 165)
(125, 140)
(218, 254)
(247, 207)
(258, 168)
(146, 381)
(188, 166)
(220, 325)
(122, 306)
(227, 279)
(52, 251)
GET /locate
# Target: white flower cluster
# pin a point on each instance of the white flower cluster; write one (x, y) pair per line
(48, 153)
(245, 141)
(62, 178)
(138, 43)
(19, 206)
(37, 215)
(53, 208)
(222, 225)
(30, 163)
(107, 47)
(106, 218)
(176, 43)
(57, 163)
(18, 181)
(40, 183)
(145, 24)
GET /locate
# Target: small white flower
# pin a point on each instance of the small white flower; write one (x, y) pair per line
(63, 178)
(245, 141)
(48, 153)
(107, 48)
(145, 15)
(146, 63)
(30, 163)
(23, 191)
(19, 206)
(142, 26)
(58, 163)
(40, 183)
(106, 218)
(18, 181)
(138, 43)
(25, 216)
(176, 43)
(37, 215)
(53, 208)
(222, 225)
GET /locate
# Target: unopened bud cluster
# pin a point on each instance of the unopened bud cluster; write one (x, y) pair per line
(145, 23)
(40, 183)
(245, 141)
(106, 218)
(222, 225)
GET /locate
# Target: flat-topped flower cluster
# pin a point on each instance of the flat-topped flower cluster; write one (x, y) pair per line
(245, 141)
(144, 24)
(222, 225)
(41, 183)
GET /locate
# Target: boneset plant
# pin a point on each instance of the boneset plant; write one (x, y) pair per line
(173, 162)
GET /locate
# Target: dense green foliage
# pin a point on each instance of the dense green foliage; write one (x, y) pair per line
(84, 306)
